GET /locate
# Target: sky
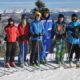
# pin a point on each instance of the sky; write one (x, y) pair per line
(29, 4)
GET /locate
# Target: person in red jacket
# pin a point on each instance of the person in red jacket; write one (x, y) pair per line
(11, 37)
(24, 33)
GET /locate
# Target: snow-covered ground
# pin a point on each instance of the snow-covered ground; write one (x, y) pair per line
(48, 73)
(58, 74)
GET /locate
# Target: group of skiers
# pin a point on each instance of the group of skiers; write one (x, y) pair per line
(43, 33)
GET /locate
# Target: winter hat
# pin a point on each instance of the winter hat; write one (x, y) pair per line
(46, 10)
(61, 16)
(10, 19)
(74, 15)
(23, 16)
(38, 14)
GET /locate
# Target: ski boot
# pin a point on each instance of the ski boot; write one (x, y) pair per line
(12, 64)
(77, 64)
(7, 65)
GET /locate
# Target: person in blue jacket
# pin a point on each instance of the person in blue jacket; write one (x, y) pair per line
(74, 39)
(37, 31)
(48, 24)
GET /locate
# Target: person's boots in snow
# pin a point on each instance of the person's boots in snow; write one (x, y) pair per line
(77, 64)
(12, 64)
(21, 65)
(32, 63)
(7, 65)
(26, 63)
(70, 64)
(43, 62)
(36, 63)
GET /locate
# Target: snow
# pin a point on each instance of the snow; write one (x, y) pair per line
(54, 10)
(55, 74)
(58, 74)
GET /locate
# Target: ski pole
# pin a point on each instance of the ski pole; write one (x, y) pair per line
(70, 51)
(52, 43)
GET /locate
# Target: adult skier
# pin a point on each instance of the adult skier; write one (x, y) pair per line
(11, 38)
(60, 33)
(74, 39)
(48, 24)
(24, 34)
(37, 31)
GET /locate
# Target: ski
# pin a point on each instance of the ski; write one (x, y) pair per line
(29, 68)
(34, 67)
(7, 71)
(52, 66)
(43, 68)
(1, 73)
(69, 66)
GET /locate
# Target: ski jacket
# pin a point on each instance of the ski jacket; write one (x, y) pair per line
(24, 33)
(11, 33)
(37, 30)
(48, 24)
(71, 38)
(60, 30)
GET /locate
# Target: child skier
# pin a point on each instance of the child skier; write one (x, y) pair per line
(37, 31)
(74, 39)
(24, 34)
(12, 34)
(60, 33)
